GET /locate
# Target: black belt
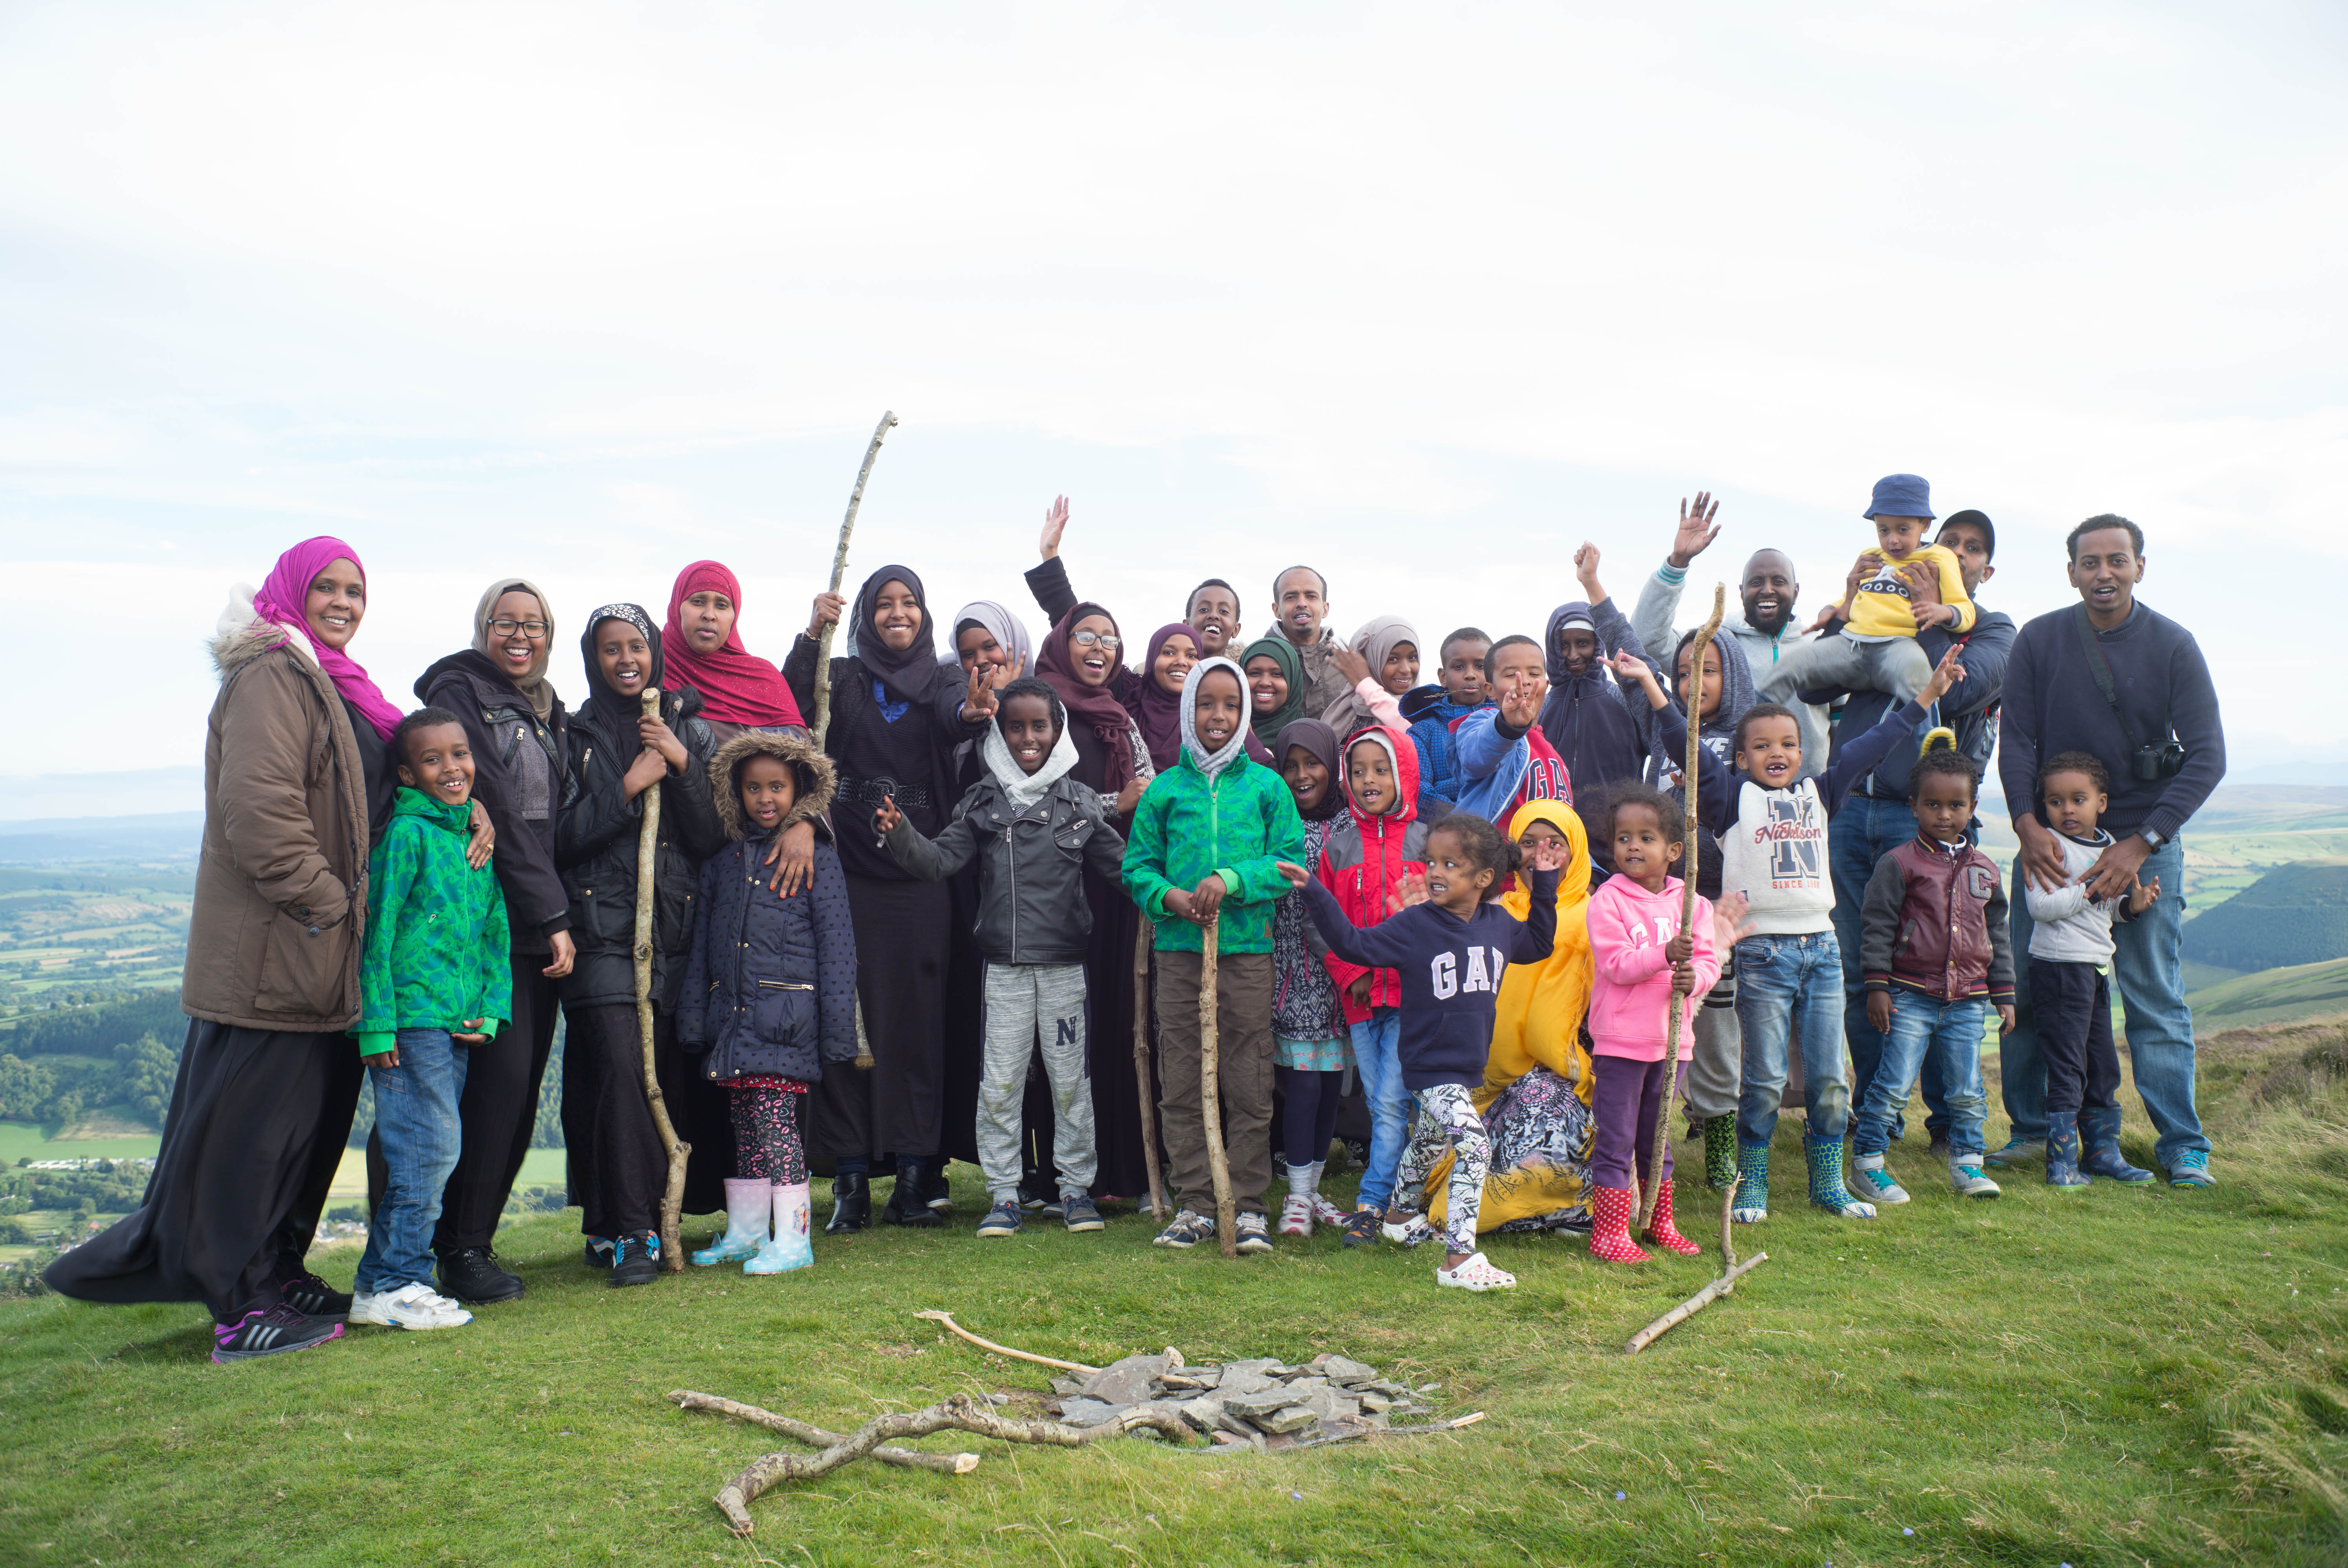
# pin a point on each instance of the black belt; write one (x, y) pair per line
(874, 792)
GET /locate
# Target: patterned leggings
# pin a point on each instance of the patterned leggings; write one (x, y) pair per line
(767, 1135)
(1447, 1115)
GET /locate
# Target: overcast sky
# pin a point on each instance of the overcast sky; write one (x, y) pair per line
(582, 292)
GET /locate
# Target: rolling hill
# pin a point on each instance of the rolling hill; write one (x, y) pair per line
(2294, 915)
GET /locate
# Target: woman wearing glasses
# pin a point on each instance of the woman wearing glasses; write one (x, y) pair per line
(498, 688)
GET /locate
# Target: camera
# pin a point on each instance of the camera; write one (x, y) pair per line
(2150, 764)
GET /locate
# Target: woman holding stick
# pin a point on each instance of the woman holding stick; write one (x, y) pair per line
(617, 1166)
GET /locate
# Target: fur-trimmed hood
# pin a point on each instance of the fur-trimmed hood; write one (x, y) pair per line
(241, 636)
(817, 777)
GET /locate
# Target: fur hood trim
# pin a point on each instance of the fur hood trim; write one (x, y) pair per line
(241, 636)
(818, 779)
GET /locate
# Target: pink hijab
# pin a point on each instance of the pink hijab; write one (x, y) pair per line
(280, 602)
(737, 686)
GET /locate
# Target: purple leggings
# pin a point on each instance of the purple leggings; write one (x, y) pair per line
(1309, 1118)
(1624, 1099)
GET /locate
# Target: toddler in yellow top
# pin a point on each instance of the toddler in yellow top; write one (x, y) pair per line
(1876, 647)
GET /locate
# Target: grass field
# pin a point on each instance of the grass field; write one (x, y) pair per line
(2117, 1377)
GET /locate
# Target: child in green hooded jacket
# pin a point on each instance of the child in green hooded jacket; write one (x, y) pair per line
(434, 983)
(1208, 837)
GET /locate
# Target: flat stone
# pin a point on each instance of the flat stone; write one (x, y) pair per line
(1278, 1441)
(1304, 1383)
(1388, 1386)
(1239, 1380)
(1377, 1419)
(1262, 1402)
(1228, 1422)
(1263, 1367)
(1373, 1400)
(1090, 1413)
(1344, 1428)
(1064, 1386)
(1345, 1369)
(1294, 1419)
(1204, 1412)
(1125, 1382)
(1230, 1440)
(1182, 1382)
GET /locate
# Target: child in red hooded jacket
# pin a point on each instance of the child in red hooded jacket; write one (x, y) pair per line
(1362, 865)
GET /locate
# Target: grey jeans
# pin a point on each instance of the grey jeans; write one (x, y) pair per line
(1024, 1001)
(1895, 665)
(1715, 1057)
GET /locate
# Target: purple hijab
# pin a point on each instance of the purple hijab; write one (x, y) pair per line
(280, 602)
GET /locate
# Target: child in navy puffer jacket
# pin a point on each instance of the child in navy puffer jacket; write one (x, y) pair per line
(770, 990)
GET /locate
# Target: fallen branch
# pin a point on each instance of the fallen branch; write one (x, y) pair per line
(1731, 1272)
(947, 1318)
(1367, 1432)
(959, 1413)
(944, 1464)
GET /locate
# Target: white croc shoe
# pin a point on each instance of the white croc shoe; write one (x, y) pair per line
(1475, 1272)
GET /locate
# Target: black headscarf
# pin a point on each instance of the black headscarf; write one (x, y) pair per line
(911, 675)
(1321, 741)
(610, 712)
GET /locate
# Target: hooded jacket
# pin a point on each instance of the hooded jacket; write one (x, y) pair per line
(599, 828)
(770, 988)
(1365, 858)
(520, 776)
(1032, 856)
(1431, 713)
(280, 910)
(1587, 717)
(438, 954)
(1630, 1009)
(1933, 921)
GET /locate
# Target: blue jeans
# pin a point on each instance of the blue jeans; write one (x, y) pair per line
(1923, 1028)
(416, 1114)
(1862, 833)
(1376, 1042)
(1778, 981)
(2149, 966)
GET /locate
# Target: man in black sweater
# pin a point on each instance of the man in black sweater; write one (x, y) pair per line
(2119, 680)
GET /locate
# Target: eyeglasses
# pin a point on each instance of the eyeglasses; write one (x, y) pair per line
(534, 631)
(1104, 641)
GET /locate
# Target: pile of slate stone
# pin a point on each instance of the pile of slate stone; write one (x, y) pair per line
(1262, 1404)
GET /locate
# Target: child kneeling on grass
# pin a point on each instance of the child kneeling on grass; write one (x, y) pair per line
(2070, 988)
(1450, 943)
(1642, 955)
(1033, 830)
(434, 983)
(1934, 949)
(769, 997)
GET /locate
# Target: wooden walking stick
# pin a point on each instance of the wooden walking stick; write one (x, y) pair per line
(823, 658)
(1141, 942)
(1653, 1186)
(647, 864)
(1210, 1105)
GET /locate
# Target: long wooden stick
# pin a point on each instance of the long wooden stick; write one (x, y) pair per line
(647, 870)
(1141, 1012)
(1731, 1272)
(1693, 834)
(1210, 1102)
(839, 565)
(909, 1458)
(947, 1318)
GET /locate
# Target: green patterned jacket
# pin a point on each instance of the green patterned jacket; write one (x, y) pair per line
(437, 948)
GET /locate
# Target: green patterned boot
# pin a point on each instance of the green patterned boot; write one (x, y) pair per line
(1752, 1183)
(1719, 1152)
(1827, 1190)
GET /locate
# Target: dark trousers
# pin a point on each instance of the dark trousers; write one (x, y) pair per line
(258, 1122)
(904, 936)
(617, 1169)
(1626, 1096)
(1242, 1071)
(2072, 1006)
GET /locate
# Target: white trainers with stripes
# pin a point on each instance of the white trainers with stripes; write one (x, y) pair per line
(415, 1305)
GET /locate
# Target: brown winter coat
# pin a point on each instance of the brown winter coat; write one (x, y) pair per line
(281, 891)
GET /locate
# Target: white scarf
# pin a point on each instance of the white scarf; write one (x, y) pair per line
(1024, 789)
(1211, 763)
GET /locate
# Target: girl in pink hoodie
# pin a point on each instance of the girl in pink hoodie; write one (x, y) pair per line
(1641, 954)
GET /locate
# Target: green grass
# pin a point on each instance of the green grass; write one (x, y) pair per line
(22, 1141)
(2274, 995)
(2116, 1377)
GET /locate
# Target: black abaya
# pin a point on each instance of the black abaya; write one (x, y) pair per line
(904, 937)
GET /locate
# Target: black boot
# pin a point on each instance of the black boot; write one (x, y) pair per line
(909, 1201)
(852, 1203)
(472, 1275)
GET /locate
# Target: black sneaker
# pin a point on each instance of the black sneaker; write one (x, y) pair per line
(599, 1252)
(1081, 1213)
(473, 1276)
(313, 1297)
(635, 1258)
(1252, 1234)
(273, 1332)
(936, 1190)
(1362, 1230)
(1938, 1147)
(852, 1203)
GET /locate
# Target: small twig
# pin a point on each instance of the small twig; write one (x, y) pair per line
(947, 1318)
(1727, 1225)
(1694, 1304)
(944, 1464)
(1450, 1426)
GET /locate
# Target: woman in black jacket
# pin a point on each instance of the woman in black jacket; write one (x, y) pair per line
(498, 688)
(896, 719)
(617, 1167)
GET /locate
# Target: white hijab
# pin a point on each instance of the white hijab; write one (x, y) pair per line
(1206, 762)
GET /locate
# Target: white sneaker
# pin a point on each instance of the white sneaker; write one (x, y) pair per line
(1476, 1274)
(411, 1305)
(1966, 1176)
(1296, 1215)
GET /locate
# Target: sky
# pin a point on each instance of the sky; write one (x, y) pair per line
(1425, 296)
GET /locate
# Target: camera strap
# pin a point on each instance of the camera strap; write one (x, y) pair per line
(2098, 665)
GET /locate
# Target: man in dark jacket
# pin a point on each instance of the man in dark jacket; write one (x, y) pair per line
(2114, 678)
(1876, 819)
(1033, 830)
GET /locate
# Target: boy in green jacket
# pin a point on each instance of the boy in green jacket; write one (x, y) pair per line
(433, 977)
(1208, 838)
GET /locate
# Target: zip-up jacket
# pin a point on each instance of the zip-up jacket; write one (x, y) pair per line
(1031, 866)
(1366, 857)
(438, 954)
(520, 774)
(1243, 823)
(1934, 921)
(2066, 926)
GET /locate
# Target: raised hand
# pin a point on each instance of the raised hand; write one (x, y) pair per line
(1633, 670)
(1549, 854)
(1585, 568)
(1696, 530)
(1056, 523)
(978, 703)
(1410, 888)
(1349, 664)
(886, 818)
(1946, 675)
(1006, 674)
(2142, 897)
(1520, 707)
(826, 611)
(1296, 875)
(1729, 925)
